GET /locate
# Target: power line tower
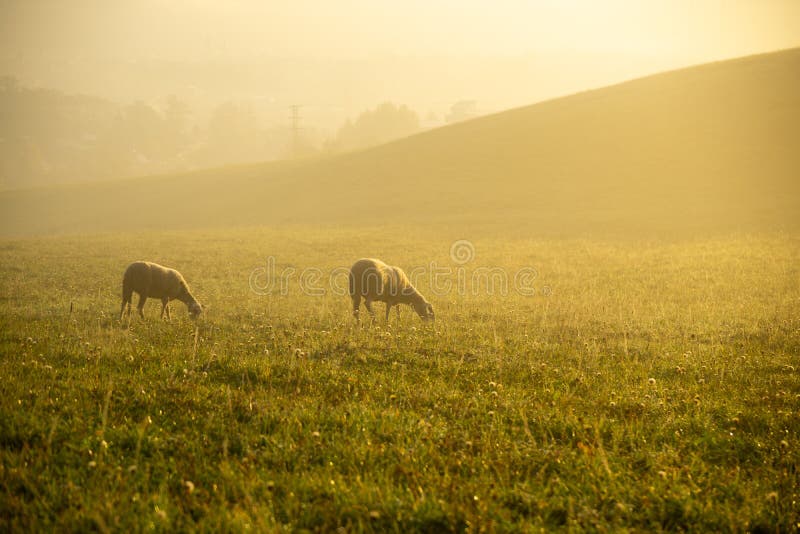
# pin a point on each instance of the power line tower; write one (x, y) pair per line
(295, 117)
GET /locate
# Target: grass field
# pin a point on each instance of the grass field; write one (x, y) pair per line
(643, 385)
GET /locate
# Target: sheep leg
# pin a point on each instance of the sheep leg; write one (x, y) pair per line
(165, 307)
(140, 306)
(356, 305)
(388, 309)
(368, 306)
(127, 296)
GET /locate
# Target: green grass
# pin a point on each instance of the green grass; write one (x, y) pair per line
(655, 387)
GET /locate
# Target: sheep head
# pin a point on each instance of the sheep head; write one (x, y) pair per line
(424, 310)
(195, 309)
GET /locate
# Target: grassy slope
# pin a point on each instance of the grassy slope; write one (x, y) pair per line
(509, 414)
(707, 148)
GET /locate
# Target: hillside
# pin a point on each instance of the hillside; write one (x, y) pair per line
(708, 148)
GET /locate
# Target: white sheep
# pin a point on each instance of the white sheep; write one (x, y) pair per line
(374, 280)
(151, 280)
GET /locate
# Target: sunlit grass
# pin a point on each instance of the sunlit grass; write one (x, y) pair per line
(654, 388)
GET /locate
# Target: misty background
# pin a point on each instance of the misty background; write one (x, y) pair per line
(95, 90)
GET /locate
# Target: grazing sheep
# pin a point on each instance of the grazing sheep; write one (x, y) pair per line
(374, 280)
(153, 280)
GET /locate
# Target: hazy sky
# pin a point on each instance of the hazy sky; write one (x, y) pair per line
(694, 30)
(339, 57)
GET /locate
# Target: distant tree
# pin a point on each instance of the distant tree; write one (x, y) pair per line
(386, 122)
(176, 116)
(8, 84)
(47, 136)
(462, 110)
(144, 128)
(231, 119)
(233, 135)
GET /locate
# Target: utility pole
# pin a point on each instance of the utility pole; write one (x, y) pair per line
(295, 116)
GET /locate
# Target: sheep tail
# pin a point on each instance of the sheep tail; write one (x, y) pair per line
(127, 286)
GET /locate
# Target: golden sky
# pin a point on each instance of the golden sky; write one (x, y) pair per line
(339, 57)
(692, 30)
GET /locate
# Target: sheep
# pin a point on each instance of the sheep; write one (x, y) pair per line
(374, 280)
(156, 281)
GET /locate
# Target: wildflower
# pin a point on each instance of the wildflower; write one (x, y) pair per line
(651, 381)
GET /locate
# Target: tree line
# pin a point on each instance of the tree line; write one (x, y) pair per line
(49, 137)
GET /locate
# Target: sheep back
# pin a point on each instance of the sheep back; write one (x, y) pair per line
(375, 280)
(154, 281)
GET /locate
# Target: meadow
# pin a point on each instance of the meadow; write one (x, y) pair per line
(640, 384)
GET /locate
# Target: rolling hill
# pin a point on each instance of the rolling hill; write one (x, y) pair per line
(711, 148)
